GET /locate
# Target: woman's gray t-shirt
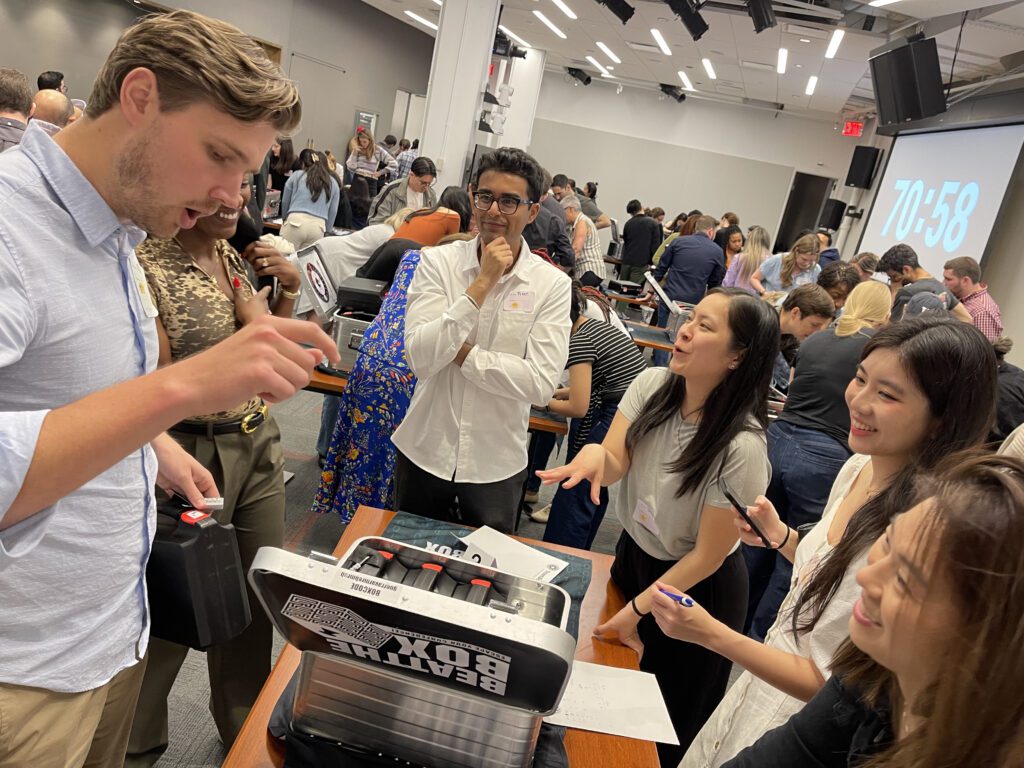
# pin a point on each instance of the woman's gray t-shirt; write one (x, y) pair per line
(648, 490)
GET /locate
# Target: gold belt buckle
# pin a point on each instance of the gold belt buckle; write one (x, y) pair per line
(247, 426)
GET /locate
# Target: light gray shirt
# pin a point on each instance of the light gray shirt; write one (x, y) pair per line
(73, 609)
(664, 526)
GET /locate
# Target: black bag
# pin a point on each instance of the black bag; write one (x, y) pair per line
(195, 580)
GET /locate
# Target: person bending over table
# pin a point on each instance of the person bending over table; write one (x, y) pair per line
(602, 363)
(202, 291)
(487, 334)
(679, 432)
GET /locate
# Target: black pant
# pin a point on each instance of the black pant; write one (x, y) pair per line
(692, 679)
(421, 493)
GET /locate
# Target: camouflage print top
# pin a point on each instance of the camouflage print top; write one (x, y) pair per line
(194, 310)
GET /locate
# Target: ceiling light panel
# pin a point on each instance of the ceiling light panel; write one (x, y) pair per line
(709, 68)
(609, 53)
(833, 43)
(656, 34)
(547, 23)
(565, 9)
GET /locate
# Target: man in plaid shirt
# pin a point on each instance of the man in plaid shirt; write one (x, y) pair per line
(404, 158)
(962, 277)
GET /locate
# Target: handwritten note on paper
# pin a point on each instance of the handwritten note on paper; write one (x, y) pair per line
(621, 702)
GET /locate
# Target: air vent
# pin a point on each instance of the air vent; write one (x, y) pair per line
(644, 47)
(801, 31)
(758, 66)
(764, 104)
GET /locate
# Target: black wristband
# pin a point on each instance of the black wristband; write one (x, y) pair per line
(788, 531)
(635, 609)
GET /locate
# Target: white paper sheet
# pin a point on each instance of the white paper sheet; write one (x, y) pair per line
(496, 550)
(622, 702)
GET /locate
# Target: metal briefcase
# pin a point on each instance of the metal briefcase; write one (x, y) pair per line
(419, 656)
(348, 331)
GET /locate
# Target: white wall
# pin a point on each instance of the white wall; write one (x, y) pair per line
(806, 145)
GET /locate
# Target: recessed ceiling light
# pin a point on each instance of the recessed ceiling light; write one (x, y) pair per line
(812, 83)
(783, 57)
(565, 9)
(833, 43)
(421, 20)
(547, 23)
(805, 40)
(686, 81)
(437, 3)
(609, 53)
(600, 67)
(799, 66)
(514, 36)
(660, 41)
(709, 69)
(880, 3)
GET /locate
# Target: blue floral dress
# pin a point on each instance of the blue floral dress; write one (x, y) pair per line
(361, 459)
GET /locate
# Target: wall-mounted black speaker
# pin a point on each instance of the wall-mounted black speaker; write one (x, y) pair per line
(862, 167)
(832, 214)
(908, 83)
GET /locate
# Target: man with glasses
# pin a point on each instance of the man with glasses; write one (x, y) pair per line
(414, 191)
(487, 334)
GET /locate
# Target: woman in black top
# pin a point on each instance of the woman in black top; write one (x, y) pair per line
(602, 364)
(931, 675)
(807, 444)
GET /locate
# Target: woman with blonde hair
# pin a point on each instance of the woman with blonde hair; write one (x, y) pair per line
(807, 445)
(366, 158)
(757, 248)
(785, 271)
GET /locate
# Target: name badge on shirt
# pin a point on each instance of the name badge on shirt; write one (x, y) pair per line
(644, 515)
(519, 301)
(141, 284)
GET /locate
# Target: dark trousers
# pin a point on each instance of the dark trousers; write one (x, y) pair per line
(421, 493)
(542, 443)
(633, 273)
(659, 356)
(692, 679)
(575, 518)
(805, 463)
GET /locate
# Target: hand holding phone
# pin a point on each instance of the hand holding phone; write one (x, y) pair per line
(742, 510)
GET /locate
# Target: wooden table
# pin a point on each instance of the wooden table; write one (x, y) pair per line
(273, 225)
(650, 336)
(643, 300)
(255, 748)
(326, 384)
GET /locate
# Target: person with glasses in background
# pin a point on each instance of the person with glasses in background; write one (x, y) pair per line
(486, 334)
(414, 191)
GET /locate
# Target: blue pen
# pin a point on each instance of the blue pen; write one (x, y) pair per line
(683, 600)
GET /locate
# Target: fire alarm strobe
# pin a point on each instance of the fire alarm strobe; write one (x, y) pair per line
(420, 656)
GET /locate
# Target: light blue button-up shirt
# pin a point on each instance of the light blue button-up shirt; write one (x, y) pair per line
(73, 609)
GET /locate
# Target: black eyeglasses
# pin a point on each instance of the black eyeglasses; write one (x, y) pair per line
(507, 204)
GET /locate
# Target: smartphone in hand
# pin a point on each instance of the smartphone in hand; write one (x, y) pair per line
(742, 510)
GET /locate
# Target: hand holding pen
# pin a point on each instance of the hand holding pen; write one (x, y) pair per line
(680, 616)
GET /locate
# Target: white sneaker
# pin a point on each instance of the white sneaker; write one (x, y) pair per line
(541, 515)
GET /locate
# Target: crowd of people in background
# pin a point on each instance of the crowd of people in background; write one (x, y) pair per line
(871, 591)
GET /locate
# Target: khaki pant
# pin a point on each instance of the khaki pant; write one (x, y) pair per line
(248, 470)
(46, 729)
(302, 229)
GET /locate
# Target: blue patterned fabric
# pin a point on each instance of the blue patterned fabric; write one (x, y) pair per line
(361, 458)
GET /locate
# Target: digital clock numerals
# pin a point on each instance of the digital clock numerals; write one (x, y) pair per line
(949, 219)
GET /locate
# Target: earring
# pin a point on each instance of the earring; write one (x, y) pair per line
(732, 367)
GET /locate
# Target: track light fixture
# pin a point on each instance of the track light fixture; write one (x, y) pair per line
(578, 75)
(688, 12)
(762, 14)
(623, 11)
(674, 91)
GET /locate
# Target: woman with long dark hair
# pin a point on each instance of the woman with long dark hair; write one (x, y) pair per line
(679, 434)
(924, 388)
(282, 162)
(931, 675)
(310, 200)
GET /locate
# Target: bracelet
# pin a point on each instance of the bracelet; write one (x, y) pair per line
(471, 299)
(635, 609)
(788, 531)
(293, 295)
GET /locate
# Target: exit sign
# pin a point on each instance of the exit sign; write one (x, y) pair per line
(853, 128)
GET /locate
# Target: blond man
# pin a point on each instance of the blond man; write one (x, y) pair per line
(183, 107)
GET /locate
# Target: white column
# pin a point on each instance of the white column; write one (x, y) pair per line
(527, 75)
(458, 72)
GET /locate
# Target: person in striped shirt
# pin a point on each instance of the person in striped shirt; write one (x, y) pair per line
(589, 269)
(602, 364)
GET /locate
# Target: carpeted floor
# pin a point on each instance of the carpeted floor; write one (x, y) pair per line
(193, 739)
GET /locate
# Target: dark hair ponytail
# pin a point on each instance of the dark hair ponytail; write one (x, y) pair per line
(590, 190)
(578, 304)
(454, 199)
(318, 175)
(741, 394)
(953, 365)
